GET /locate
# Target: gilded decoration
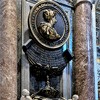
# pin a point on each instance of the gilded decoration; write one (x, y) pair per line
(49, 24)
(46, 28)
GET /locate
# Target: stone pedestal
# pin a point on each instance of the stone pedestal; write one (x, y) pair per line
(8, 52)
(83, 51)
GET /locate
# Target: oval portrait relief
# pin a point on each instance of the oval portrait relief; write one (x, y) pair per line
(49, 24)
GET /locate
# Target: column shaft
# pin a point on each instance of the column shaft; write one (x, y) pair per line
(83, 51)
(8, 50)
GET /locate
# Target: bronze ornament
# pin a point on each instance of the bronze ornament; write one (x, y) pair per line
(49, 24)
(46, 28)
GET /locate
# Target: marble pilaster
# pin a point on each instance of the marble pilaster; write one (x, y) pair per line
(8, 50)
(83, 51)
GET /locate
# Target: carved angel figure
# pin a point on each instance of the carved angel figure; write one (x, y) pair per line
(46, 28)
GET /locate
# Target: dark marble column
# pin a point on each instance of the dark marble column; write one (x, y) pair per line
(8, 52)
(83, 51)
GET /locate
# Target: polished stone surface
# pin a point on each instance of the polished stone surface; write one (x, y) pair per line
(8, 54)
(83, 52)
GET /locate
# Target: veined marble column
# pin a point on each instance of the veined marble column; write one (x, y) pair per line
(8, 50)
(83, 51)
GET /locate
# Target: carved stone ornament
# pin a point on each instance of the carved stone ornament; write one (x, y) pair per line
(49, 24)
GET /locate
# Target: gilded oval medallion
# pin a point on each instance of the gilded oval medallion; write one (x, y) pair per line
(49, 24)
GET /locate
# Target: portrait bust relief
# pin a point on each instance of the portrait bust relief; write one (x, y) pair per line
(49, 24)
(46, 28)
